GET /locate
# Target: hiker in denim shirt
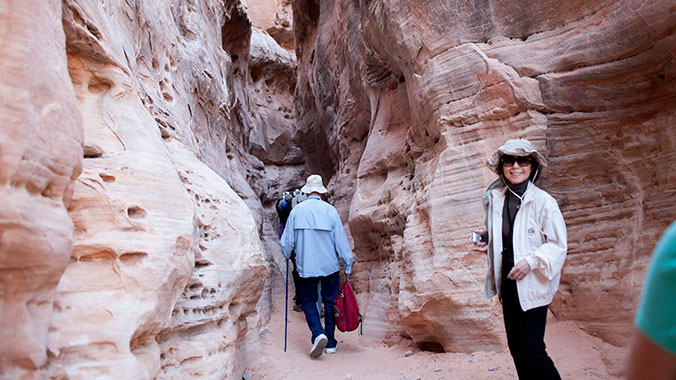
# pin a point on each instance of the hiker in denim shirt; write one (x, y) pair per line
(316, 233)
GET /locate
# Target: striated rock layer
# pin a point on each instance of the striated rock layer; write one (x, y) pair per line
(143, 145)
(401, 102)
(143, 259)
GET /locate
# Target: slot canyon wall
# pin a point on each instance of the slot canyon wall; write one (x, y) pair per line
(143, 144)
(401, 102)
(134, 140)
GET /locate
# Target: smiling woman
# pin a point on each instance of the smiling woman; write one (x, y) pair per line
(516, 169)
(526, 249)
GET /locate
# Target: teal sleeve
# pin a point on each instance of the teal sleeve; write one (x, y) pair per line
(656, 316)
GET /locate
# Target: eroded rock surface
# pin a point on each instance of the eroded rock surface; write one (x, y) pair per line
(412, 97)
(274, 17)
(144, 146)
(40, 158)
(167, 268)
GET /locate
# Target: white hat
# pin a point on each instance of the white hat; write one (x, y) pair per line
(314, 184)
(516, 147)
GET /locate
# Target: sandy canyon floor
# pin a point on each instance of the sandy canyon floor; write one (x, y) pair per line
(575, 353)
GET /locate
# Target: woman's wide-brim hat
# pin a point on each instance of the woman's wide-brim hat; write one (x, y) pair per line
(516, 147)
(314, 184)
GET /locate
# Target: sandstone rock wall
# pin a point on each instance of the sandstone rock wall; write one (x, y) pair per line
(274, 139)
(145, 257)
(411, 97)
(40, 158)
(143, 145)
(274, 17)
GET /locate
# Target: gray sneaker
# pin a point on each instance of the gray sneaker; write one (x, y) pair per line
(318, 345)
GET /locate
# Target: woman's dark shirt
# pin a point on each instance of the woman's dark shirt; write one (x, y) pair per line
(512, 205)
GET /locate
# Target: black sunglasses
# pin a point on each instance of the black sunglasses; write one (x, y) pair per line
(523, 161)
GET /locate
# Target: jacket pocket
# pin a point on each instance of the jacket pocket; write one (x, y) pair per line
(534, 236)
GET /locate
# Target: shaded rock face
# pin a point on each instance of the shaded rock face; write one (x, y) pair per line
(400, 104)
(132, 161)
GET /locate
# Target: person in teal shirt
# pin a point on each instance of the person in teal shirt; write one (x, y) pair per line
(653, 353)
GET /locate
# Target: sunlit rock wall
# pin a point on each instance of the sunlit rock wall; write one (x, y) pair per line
(401, 102)
(144, 259)
(40, 158)
(274, 17)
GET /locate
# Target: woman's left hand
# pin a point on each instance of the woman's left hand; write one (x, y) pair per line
(520, 270)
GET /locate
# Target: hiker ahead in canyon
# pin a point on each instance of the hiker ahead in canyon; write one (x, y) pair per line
(316, 233)
(284, 206)
(526, 239)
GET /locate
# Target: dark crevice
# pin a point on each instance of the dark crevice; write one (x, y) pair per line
(430, 347)
(236, 34)
(92, 151)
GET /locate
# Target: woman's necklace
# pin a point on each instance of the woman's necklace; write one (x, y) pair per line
(517, 195)
(520, 197)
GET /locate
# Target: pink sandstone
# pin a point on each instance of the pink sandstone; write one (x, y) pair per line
(143, 145)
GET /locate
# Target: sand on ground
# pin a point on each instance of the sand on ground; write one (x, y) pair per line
(576, 354)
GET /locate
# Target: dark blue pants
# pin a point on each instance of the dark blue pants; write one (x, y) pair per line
(330, 289)
(526, 336)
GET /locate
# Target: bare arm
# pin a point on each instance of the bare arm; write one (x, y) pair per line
(647, 360)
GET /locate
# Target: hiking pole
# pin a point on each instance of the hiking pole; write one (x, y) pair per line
(286, 304)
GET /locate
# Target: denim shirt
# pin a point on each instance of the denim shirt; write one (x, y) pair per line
(315, 231)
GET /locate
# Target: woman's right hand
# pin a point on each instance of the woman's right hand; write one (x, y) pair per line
(479, 244)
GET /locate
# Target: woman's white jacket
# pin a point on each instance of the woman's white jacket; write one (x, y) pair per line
(539, 237)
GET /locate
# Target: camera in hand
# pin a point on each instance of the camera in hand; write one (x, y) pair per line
(479, 238)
